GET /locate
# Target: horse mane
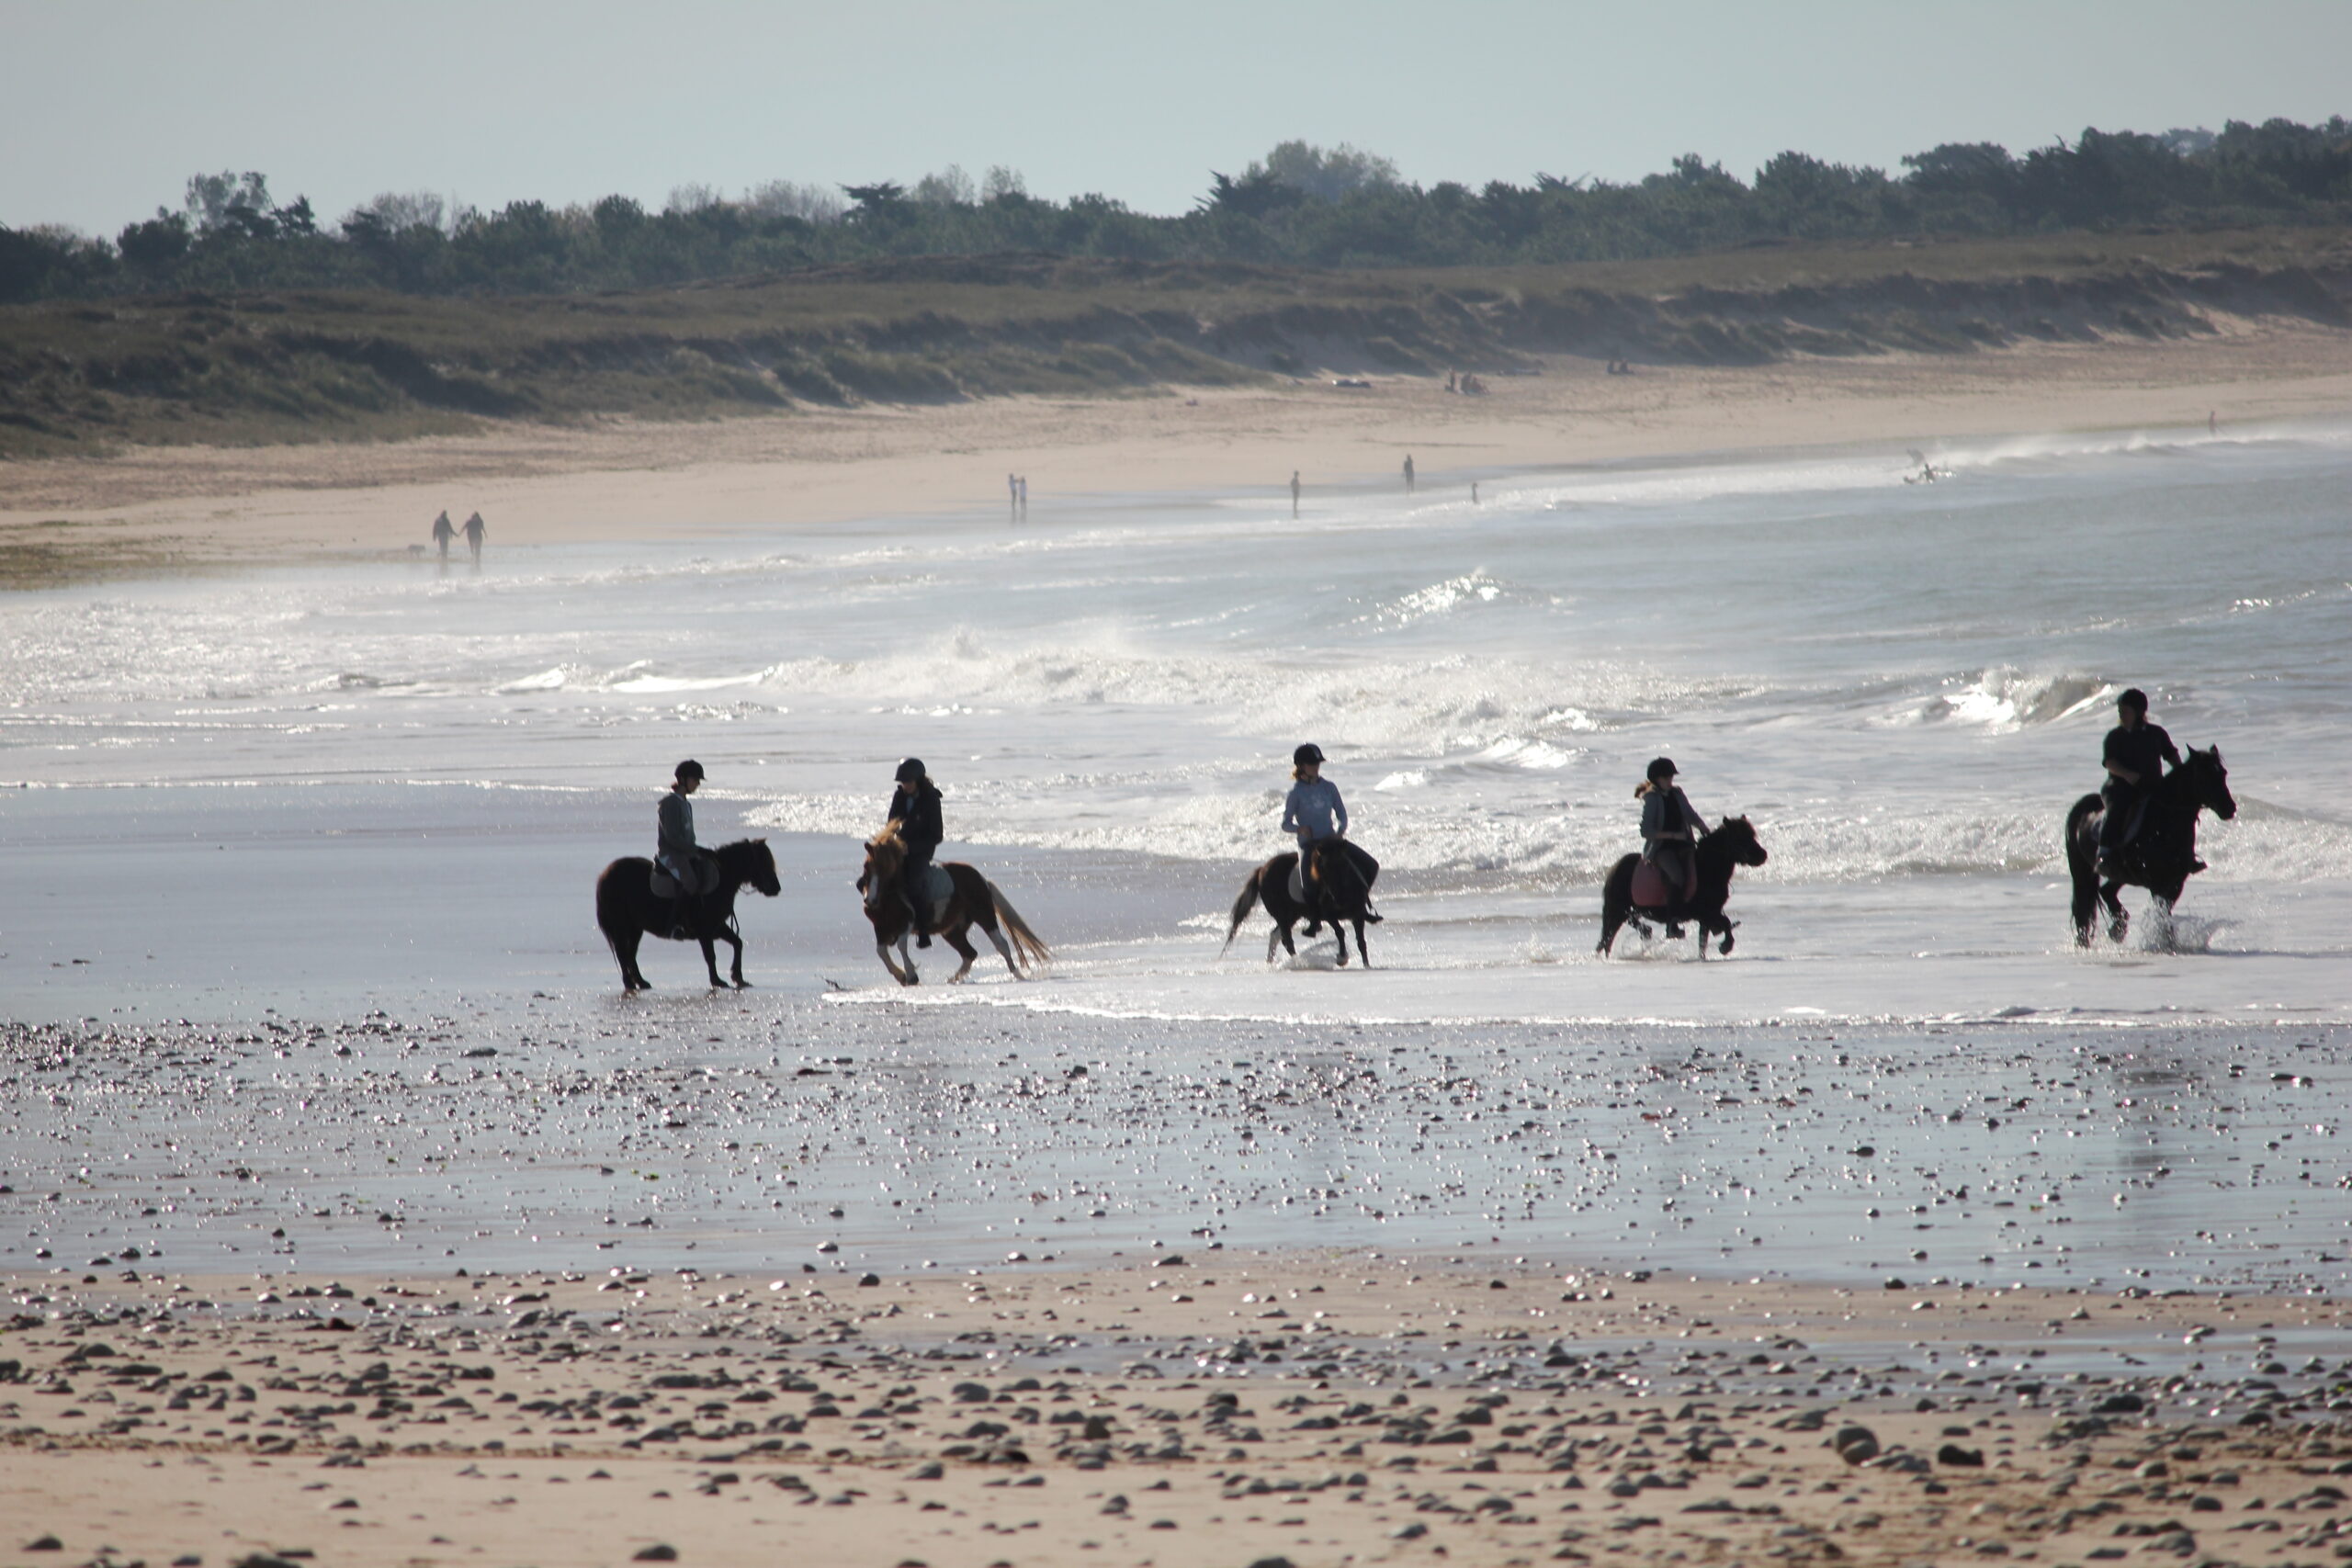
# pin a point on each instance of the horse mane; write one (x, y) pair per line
(888, 837)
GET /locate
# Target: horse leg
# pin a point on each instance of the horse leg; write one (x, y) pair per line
(906, 960)
(2119, 922)
(1005, 948)
(1362, 951)
(710, 961)
(955, 939)
(625, 948)
(1340, 936)
(735, 970)
(882, 950)
(1281, 936)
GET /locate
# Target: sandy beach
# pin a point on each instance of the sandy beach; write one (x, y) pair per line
(1211, 1408)
(349, 1214)
(169, 508)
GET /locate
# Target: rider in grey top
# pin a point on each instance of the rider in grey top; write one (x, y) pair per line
(678, 853)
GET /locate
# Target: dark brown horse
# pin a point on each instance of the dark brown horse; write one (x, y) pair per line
(1716, 855)
(2162, 859)
(972, 900)
(1342, 893)
(626, 910)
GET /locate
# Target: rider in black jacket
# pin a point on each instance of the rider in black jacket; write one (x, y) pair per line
(2134, 756)
(915, 805)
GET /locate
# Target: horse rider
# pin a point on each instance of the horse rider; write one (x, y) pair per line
(914, 807)
(1315, 814)
(1671, 827)
(678, 853)
(2134, 756)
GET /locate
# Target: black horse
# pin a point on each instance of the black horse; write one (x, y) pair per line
(626, 910)
(2162, 859)
(1731, 845)
(1342, 893)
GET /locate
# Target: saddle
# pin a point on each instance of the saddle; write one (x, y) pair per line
(938, 887)
(1650, 891)
(661, 885)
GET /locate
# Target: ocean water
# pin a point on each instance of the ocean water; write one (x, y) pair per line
(354, 813)
(1904, 686)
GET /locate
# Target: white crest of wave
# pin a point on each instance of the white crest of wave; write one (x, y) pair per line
(1438, 598)
(2004, 699)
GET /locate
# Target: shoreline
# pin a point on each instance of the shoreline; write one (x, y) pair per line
(1199, 1408)
(167, 509)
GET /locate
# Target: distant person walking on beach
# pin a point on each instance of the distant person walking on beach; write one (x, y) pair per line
(443, 533)
(1023, 492)
(475, 529)
(1408, 473)
(1293, 495)
(1012, 495)
(1474, 492)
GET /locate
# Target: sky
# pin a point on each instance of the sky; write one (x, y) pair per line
(107, 105)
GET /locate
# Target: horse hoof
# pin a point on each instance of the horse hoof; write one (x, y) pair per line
(741, 984)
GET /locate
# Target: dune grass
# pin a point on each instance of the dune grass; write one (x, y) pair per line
(79, 377)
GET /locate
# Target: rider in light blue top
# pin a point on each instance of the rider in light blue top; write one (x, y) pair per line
(1313, 810)
(1315, 814)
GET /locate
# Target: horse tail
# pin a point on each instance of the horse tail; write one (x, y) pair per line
(2080, 839)
(1243, 904)
(1026, 942)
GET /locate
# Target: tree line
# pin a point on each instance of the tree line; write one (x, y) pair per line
(1301, 205)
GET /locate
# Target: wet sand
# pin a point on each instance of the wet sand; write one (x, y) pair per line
(1203, 1407)
(170, 509)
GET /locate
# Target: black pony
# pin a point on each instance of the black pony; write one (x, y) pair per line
(2162, 859)
(1341, 893)
(1716, 855)
(628, 912)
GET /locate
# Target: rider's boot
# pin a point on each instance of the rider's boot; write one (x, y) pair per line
(914, 919)
(686, 914)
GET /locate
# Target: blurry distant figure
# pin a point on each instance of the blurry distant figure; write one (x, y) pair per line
(1293, 492)
(1474, 492)
(1408, 473)
(1928, 473)
(1471, 383)
(1012, 495)
(443, 533)
(475, 529)
(2213, 422)
(1449, 380)
(1022, 491)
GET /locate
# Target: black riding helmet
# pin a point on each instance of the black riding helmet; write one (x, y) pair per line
(2134, 697)
(689, 769)
(1661, 769)
(1310, 752)
(911, 771)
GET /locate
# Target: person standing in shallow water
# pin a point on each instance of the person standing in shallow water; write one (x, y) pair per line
(475, 529)
(443, 533)
(1408, 473)
(1293, 492)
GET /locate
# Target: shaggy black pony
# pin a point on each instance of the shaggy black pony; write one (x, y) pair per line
(626, 910)
(1732, 844)
(2162, 859)
(1342, 894)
